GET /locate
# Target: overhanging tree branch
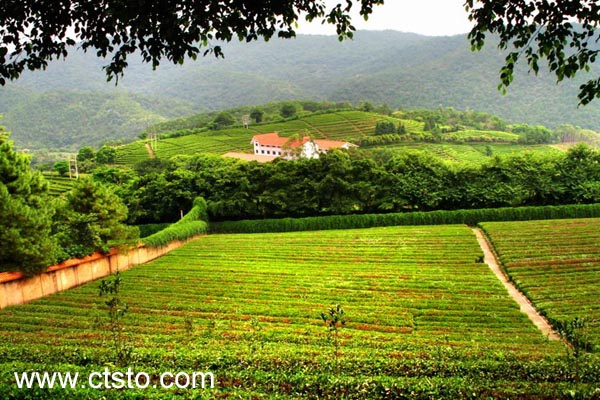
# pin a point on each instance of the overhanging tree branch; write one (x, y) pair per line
(563, 33)
(34, 32)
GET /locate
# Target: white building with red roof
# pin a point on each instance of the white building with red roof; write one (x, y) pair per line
(273, 145)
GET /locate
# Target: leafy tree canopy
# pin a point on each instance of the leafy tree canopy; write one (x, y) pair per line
(288, 110)
(62, 167)
(257, 115)
(561, 32)
(85, 153)
(25, 217)
(224, 119)
(34, 32)
(106, 155)
(88, 217)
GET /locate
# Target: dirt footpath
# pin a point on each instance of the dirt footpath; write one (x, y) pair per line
(526, 306)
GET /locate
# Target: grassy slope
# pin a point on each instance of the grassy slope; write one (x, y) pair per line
(343, 125)
(423, 317)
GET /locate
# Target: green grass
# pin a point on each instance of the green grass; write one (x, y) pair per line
(424, 320)
(556, 263)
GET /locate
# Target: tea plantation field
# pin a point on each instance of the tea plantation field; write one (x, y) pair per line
(343, 125)
(557, 264)
(58, 184)
(424, 319)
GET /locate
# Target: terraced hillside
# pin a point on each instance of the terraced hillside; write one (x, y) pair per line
(470, 152)
(556, 263)
(58, 184)
(348, 125)
(344, 125)
(424, 319)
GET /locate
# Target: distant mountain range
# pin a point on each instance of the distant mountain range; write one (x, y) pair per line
(71, 105)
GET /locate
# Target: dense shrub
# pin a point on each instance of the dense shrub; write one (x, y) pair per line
(470, 217)
(192, 224)
(150, 229)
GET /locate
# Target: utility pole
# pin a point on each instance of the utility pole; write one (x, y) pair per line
(153, 138)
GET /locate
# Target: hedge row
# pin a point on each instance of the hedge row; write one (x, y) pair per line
(469, 217)
(150, 229)
(192, 224)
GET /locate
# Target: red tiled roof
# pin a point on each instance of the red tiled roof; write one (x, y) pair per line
(269, 139)
(298, 143)
(325, 144)
(273, 139)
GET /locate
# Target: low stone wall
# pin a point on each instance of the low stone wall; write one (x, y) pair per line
(16, 289)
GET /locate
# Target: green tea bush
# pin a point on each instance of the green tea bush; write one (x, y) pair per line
(192, 224)
(469, 217)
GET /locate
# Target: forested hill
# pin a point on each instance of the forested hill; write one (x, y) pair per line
(70, 105)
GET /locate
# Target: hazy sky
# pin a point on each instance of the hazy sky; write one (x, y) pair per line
(427, 17)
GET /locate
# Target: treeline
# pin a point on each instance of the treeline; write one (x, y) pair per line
(450, 119)
(390, 138)
(339, 184)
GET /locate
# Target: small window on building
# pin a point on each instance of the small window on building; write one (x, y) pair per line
(262, 152)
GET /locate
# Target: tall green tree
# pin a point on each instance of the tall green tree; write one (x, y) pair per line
(86, 153)
(384, 127)
(61, 167)
(33, 33)
(86, 159)
(417, 181)
(25, 214)
(89, 217)
(580, 173)
(288, 110)
(224, 119)
(106, 155)
(257, 115)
